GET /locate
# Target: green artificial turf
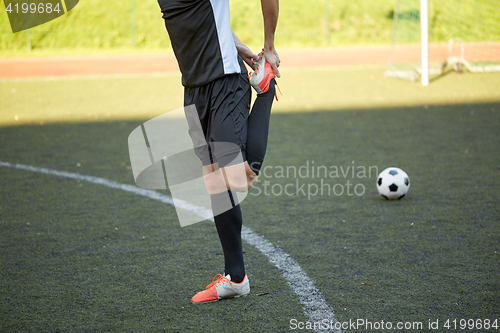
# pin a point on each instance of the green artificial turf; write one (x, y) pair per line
(77, 256)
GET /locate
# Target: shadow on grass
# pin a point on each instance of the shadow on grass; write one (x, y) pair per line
(445, 73)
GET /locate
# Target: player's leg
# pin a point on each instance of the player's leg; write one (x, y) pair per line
(229, 133)
(222, 125)
(258, 128)
(228, 222)
(228, 136)
(262, 80)
(238, 178)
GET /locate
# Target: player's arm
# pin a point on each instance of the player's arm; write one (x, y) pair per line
(270, 12)
(246, 54)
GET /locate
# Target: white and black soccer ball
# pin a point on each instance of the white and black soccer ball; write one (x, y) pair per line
(393, 183)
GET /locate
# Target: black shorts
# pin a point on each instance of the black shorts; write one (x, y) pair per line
(223, 106)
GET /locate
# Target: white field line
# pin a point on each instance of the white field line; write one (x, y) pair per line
(313, 302)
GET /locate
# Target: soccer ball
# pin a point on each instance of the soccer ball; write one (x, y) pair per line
(393, 183)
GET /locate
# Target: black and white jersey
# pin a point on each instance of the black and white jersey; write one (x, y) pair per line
(201, 36)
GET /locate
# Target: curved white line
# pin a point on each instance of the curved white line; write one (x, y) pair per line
(313, 302)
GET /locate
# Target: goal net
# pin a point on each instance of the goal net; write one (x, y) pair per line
(463, 34)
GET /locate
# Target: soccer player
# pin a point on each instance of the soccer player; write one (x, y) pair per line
(216, 81)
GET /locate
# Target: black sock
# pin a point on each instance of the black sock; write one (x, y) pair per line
(258, 128)
(228, 226)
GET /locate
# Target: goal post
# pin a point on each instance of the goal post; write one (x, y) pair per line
(430, 36)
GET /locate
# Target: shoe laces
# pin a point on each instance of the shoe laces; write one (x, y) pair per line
(218, 280)
(275, 92)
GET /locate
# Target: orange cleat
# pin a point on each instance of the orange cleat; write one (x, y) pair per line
(262, 76)
(222, 287)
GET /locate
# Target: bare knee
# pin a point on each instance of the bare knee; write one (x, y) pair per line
(237, 183)
(241, 181)
(236, 177)
(214, 180)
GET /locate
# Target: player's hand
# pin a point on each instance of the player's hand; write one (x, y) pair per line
(247, 55)
(273, 59)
